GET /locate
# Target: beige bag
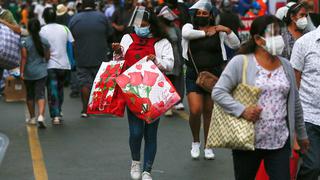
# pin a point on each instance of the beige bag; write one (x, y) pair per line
(228, 131)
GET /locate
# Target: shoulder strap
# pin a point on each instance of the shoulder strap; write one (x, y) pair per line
(244, 69)
(192, 60)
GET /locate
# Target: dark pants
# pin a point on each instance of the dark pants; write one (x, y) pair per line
(139, 129)
(55, 86)
(310, 168)
(74, 83)
(277, 163)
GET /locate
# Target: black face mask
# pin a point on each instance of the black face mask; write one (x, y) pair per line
(201, 21)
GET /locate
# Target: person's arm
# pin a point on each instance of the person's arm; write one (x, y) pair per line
(13, 27)
(120, 49)
(164, 55)
(117, 21)
(23, 61)
(297, 60)
(231, 40)
(298, 77)
(229, 79)
(189, 33)
(119, 28)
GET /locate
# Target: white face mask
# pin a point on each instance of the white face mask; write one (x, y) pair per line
(302, 23)
(274, 45)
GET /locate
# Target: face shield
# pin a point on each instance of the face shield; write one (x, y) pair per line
(274, 41)
(272, 30)
(140, 17)
(167, 14)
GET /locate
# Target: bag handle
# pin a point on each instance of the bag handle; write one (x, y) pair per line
(244, 69)
(194, 64)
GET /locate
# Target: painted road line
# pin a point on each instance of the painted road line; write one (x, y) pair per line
(39, 167)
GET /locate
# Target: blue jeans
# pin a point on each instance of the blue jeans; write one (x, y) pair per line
(139, 129)
(277, 163)
(55, 84)
(310, 168)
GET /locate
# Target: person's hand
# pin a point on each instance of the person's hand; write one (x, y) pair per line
(116, 48)
(151, 57)
(210, 31)
(304, 145)
(220, 28)
(252, 113)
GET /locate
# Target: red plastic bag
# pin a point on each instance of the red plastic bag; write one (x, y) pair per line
(294, 160)
(148, 92)
(106, 97)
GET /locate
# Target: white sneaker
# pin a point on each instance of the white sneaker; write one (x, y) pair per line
(179, 106)
(32, 121)
(135, 171)
(208, 154)
(84, 115)
(56, 121)
(41, 122)
(195, 151)
(146, 176)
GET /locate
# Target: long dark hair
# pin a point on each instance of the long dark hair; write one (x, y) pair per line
(34, 29)
(258, 27)
(293, 10)
(155, 27)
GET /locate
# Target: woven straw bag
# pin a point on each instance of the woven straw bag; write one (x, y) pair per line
(228, 131)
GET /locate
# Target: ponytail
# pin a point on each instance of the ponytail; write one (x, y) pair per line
(34, 29)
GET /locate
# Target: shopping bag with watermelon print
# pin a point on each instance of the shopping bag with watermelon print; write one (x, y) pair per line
(147, 91)
(106, 97)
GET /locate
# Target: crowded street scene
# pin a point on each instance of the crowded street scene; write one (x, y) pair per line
(159, 89)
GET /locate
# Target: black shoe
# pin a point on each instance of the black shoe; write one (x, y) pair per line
(74, 94)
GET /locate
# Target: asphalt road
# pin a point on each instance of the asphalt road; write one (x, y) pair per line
(97, 149)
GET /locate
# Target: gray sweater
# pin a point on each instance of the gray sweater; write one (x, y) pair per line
(232, 76)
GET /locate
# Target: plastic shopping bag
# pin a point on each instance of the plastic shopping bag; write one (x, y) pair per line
(148, 92)
(106, 97)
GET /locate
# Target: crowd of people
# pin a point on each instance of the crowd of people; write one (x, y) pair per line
(183, 39)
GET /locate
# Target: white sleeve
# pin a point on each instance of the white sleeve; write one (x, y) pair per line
(125, 42)
(189, 33)
(164, 55)
(231, 40)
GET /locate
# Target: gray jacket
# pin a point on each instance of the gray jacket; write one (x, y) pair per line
(232, 76)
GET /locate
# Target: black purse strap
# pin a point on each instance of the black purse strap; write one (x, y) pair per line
(192, 60)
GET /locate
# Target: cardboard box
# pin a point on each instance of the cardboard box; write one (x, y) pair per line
(14, 90)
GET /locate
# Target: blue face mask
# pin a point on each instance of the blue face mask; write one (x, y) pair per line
(142, 31)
